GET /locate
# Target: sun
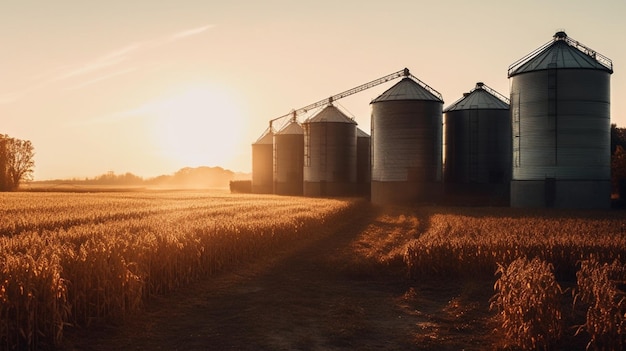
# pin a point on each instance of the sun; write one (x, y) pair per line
(199, 126)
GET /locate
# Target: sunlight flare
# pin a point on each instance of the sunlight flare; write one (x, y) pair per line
(198, 126)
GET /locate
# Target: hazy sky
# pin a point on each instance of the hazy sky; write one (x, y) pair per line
(149, 87)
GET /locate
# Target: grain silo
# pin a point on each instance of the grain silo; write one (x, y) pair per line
(560, 97)
(363, 163)
(477, 169)
(289, 159)
(406, 144)
(330, 154)
(262, 163)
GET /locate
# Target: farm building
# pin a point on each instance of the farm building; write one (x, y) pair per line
(289, 159)
(330, 154)
(477, 169)
(263, 164)
(406, 144)
(363, 163)
(560, 97)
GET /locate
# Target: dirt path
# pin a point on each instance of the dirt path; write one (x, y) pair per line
(307, 297)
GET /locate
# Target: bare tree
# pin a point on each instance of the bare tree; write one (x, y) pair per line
(3, 163)
(16, 162)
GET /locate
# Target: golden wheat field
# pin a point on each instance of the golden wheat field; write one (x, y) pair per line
(76, 259)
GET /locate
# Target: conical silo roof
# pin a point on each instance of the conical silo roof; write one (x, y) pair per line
(330, 114)
(407, 89)
(266, 139)
(481, 97)
(562, 52)
(361, 134)
(292, 128)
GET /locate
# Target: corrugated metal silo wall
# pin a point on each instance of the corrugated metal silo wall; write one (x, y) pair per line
(561, 139)
(262, 168)
(288, 164)
(363, 166)
(406, 152)
(330, 159)
(477, 156)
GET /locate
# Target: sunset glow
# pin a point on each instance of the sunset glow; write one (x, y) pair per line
(198, 126)
(150, 87)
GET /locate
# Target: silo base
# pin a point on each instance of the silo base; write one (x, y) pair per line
(322, 189)
(477, 194)
(406, 193)
(262, 189)
(294, 189)
(561, 193)
(364, 190)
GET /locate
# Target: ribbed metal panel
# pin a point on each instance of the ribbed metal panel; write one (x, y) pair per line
(406, 141)
(477, 168)
(330, 154)
(561, 125)
(363, 163)
(406, 149)
(560, 111)
(478, 146)
(262, 164)
(289, 160)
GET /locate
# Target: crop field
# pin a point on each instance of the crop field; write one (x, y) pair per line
(559, 273)
(81, 259)
(456, 238)
(77, 259)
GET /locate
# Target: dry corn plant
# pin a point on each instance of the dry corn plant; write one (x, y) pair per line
(98, 258)
(33, 307)
(471, 241)
(599, 291)
(528, 303)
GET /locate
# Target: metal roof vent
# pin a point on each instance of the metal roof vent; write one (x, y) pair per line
(409, 88)
(330, 114)
(561, 52)
(481, 97)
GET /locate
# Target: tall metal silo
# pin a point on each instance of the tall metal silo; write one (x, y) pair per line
(406, 144)
(262, 163)
(329, 154)
(477, 168)
(289, 159)
(560, 97)
(363, 163)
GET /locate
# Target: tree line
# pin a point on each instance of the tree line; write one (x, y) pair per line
(188, 177)
(618, 160)
(16, 162)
